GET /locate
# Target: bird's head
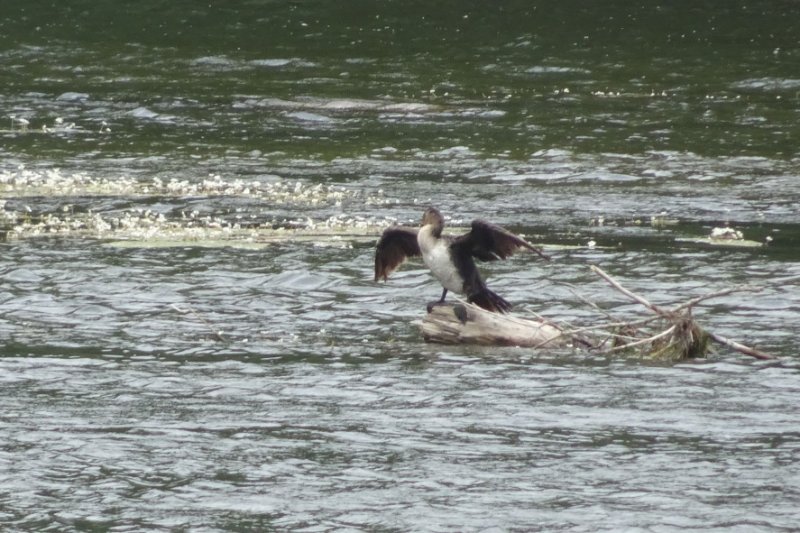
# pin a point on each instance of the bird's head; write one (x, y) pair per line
(433, 217)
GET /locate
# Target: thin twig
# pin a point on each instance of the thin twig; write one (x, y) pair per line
(747, 350)
(604, 327)
(614, 283)
(548, 341)
(547, 321)
(695, 301)
(564, 333)
(640, 342)
(569, 332)
(584, 299)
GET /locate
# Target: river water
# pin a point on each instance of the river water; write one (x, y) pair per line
(191, 339)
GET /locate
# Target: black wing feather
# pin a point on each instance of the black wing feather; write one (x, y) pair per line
(395, 245)
(489, 242)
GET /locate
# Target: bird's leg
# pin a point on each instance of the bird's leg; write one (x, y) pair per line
(431, 305)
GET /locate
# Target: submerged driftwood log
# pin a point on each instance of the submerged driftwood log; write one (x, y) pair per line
(671, 334)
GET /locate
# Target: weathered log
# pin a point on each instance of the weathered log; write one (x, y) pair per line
(465, 323)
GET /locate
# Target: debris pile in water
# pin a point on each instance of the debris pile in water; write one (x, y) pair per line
(668, 334)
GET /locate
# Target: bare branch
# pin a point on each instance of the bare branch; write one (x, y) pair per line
(747, 350)
(695, 301)
(635, 297)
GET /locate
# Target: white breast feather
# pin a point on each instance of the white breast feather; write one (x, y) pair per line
(436, 256)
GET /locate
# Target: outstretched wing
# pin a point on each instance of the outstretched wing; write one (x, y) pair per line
(395, 245)
(489, 242)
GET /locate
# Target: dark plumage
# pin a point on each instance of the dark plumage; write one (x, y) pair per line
(451, 259)
(395, 245)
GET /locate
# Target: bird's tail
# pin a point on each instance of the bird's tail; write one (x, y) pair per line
(490, 301)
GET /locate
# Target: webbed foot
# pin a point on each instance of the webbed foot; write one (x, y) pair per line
(437, 303)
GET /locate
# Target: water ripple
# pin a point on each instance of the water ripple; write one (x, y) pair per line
(191, 337)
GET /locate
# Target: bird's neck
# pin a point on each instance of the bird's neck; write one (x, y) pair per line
(428, 236)
(435, 228)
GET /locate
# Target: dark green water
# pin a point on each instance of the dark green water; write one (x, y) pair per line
(164, 368)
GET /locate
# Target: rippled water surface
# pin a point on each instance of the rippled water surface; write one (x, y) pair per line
(190, 337)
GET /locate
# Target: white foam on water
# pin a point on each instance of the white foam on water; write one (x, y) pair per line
(143, 224)
(31, 182)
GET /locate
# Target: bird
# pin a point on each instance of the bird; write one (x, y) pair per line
(451, 259)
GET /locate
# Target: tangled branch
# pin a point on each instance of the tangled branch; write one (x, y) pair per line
(672, 333)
